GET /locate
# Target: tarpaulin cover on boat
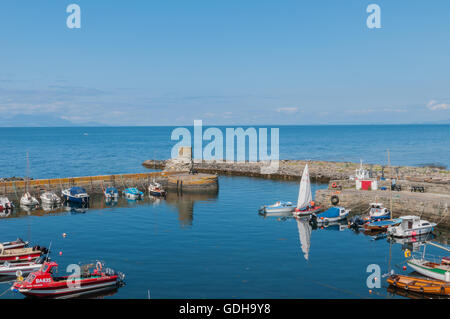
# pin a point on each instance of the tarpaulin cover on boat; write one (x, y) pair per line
(330, 213)
(77, 190)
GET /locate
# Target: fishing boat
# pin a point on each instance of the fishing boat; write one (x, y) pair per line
(133, 193)
(5, 204)
(382, 225)
(28, 200)
(378, 211)
(305, 204)
(76, 195)
(155, 189)
(277, 208)
(44, 282)
(111, 193)
(21, 254)
(411, 226)
(50, 198)
(420, 285)
(332, 214)
(21, 268)
(430, 266)
(18, 243)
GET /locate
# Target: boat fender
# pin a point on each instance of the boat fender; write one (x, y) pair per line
(407, 253)
(334, 200)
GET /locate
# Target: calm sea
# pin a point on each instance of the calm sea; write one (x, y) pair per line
(216, 245)
(79, 151)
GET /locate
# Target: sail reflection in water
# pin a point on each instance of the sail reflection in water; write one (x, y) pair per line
(304, 232)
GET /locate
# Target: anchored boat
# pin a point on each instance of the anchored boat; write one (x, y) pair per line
(21, 254)
(411, 226)
(305, 204)
(5, 204)
(156, 189)
(111, 193)
(421, 285)
(50, 198)
(436, 268)
(133, 193)
(28, 200)
(21, 268)
(44, 283)
(382, 225)
(277, 208)
(332, 214)
(18, 243)
(76, 195)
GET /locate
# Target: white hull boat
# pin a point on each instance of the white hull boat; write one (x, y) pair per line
(279, 208)
(50, 198)
(18, 243)
(439, 271)
(21, 268)
(377, 210)
(411, 226)
(5, 204)
(28, 200)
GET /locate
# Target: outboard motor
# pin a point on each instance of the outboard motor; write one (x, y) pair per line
(356, 222)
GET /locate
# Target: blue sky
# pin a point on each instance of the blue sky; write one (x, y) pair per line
(225, 62)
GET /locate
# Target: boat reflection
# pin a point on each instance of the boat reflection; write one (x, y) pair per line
(183, 203)
(411, 243)
(304, 234)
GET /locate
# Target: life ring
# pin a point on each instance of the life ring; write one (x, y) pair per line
(333, 185)
(334, 200)
(99, 266)
(407, 253)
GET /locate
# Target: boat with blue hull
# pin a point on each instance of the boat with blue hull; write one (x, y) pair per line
(332, 214)
(133, 193)
(76, 195)
(111, 193)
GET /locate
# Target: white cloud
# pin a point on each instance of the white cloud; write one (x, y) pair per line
(434, 105)
(288, 110)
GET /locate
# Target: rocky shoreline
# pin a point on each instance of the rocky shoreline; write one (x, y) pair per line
(320, 171)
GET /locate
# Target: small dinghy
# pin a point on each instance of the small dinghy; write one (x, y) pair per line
(28, 200)
(21, 268)
(333, 214)
(44, 282)
(18, 243)
(50, 198)
(305, 204)
(277, 208)
(411, 226)
(76, 195)
(5, 204)
(133, 193)
(421, 285)
(21, 254)
(155, 189)
(436, 270)
(111, 193)
(382, 225)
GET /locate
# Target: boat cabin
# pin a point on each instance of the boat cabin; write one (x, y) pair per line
(411, 222)
(44, 274)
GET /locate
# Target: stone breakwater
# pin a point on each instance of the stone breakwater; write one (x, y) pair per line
(320, 171)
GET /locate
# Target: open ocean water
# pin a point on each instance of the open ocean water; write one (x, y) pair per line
(216, 245)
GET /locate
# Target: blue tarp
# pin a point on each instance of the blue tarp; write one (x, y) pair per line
(77, 190)
(330, 213)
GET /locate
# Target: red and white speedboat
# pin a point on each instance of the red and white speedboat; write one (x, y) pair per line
(43, 283)
(21, 254)
(18, 243)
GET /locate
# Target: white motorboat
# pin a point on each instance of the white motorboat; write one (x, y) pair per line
(21, 268)
(28, 200)
(50, 198)
(5, 204)
(155, 189)
(377, 210)
(279, 207)
(411, 226)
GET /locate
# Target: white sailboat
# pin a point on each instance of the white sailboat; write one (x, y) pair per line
(27, 200)
(304, 233)
(305, 204)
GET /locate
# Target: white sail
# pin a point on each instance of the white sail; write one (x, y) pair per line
(304, 232)
(304, 193)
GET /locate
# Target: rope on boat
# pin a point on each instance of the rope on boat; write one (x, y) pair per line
(5, 291)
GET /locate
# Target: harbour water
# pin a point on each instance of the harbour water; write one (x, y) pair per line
(216, 245)
(211, 246)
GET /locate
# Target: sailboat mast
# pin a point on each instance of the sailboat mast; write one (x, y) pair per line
(390, 188)
(28, 173)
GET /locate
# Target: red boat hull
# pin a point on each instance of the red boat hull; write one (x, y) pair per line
(27, 257)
